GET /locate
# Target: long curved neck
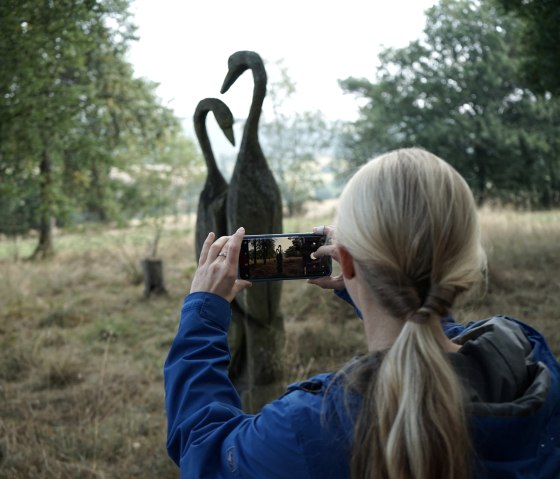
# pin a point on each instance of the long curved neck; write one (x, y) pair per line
(259, 92)
(204, 141)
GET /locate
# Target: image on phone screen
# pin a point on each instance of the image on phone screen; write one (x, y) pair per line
(282, 256)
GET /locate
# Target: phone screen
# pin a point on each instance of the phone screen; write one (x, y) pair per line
(282, 256)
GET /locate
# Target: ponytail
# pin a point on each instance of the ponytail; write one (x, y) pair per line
(413, 415)
(409, 221)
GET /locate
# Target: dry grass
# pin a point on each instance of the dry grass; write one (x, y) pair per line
(81, 351)
(524, 263)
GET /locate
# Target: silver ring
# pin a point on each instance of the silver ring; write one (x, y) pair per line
(222, 254)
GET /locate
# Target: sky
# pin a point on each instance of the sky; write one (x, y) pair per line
(184, 46)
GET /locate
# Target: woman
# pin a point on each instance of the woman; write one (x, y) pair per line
(485, 403)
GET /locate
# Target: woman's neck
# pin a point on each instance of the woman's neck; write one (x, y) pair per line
(382, 329)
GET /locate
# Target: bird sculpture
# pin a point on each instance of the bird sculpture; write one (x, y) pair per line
(254, 201)
(211, 215)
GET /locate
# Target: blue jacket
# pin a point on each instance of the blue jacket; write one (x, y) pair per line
(307, 433)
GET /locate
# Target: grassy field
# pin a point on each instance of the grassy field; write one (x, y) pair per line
(81, 350)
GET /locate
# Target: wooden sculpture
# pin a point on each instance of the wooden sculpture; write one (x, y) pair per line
(211, 215)
(254, 201)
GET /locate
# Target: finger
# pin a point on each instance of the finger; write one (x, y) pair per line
(321, 282)
(328, 282)
(319, 230)
(325, 250)
(241, 284)
(205, 247)
(217, 247)
(234, 245)
(323, 230)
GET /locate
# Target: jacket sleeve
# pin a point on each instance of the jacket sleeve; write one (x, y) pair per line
(208, 435)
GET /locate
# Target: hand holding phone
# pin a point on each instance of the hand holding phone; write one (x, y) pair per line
(276, 257)
(217, 264)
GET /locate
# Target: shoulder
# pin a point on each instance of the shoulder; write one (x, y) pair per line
(324, 400)
(290, 438)
(508, 367)
(500, 330)
(318, 417)
(513, 382)
(314, 385)
(305, 400)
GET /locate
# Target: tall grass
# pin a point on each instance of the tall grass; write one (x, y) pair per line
(81, 350)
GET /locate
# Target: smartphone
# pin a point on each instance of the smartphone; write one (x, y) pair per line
(276, 257)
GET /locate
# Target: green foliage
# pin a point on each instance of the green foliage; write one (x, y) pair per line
(456, 93)
(163, 180)
(42, 85)
(540, 44)
(17, 213)
(293, 144)
(262, 249)
(72, 113)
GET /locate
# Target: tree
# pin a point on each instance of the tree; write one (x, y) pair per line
(158, 182)
(72, 111)
(262, 249)
(455, 93)
(540, 42)
(293, 143)
(43, 46)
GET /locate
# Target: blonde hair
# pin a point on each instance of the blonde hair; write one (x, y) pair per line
(409, 221)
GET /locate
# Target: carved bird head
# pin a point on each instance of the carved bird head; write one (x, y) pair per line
(221, 112)
(238, 63)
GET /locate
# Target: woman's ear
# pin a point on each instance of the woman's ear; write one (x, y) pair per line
(346, 263)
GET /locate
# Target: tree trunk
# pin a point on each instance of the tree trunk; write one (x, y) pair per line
(97, 203)
(45, 248)
(153, 277)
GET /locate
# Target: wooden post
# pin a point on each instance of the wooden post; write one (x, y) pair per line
(153, 277)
